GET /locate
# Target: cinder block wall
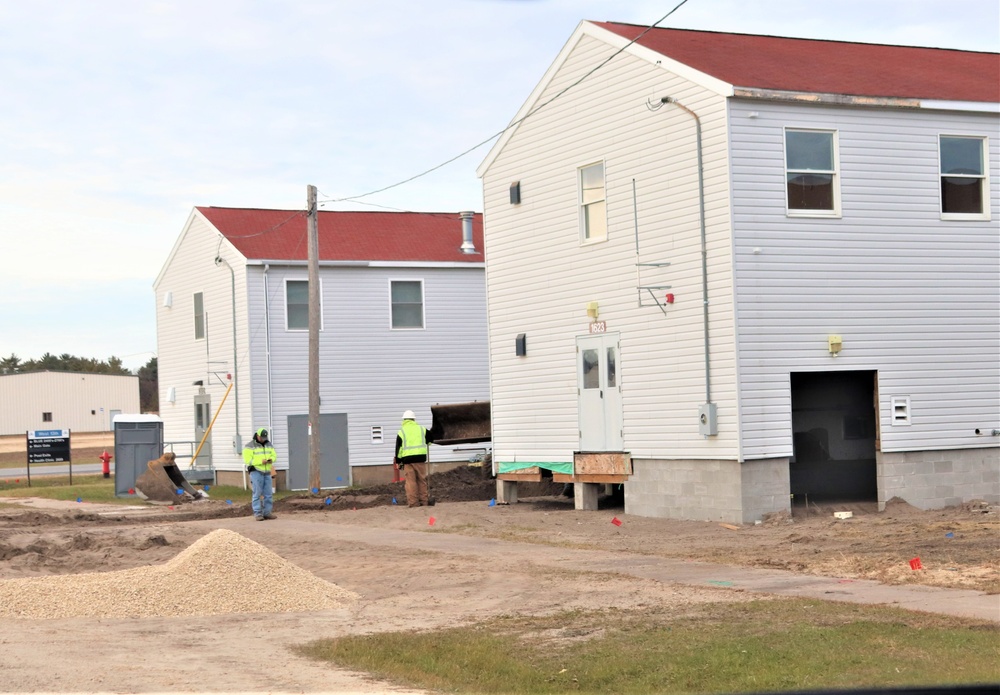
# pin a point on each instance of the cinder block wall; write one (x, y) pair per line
(766, 488)
(938, 479)
(685, 489)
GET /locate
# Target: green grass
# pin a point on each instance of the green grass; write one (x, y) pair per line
(98, 489)
(774, 645)
(89, 488)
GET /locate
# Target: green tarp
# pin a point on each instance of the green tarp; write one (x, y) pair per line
(554, 466)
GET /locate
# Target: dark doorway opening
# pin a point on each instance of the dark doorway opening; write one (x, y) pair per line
(834, 429)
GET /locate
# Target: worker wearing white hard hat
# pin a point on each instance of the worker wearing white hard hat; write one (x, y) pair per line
(410, 456)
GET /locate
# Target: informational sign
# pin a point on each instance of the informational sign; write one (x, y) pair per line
(48, 446)
(599, 327)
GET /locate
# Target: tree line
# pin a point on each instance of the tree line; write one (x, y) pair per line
(149, 394)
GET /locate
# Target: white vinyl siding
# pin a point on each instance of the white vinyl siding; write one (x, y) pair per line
(182, 360)
(913, 297)
(368, 370)
(541, 279)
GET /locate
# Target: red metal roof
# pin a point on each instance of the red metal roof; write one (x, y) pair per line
(827, 67)
(280, 235)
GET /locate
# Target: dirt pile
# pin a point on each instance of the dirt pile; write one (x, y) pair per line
(462, 484)
(220, 573)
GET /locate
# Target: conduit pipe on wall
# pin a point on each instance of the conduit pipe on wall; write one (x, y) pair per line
(704, 244)
(237, 443)
(267, 347)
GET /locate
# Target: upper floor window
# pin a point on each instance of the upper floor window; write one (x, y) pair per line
(963, 177)
(593, 209)
(812, 187)
(199, 315)
(297, 305)
(407, 299)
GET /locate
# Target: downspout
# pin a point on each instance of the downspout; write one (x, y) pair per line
(704, 245)
(237, 442)
(267, 347)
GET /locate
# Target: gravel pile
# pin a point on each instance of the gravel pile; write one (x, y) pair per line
(220, 573)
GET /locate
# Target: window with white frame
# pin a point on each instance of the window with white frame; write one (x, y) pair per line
(297, 305)
(199, 315)
(407, 300)
(593, 207)
(963, 177)
(812, 187)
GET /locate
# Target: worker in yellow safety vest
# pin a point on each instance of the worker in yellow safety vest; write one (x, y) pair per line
(411, 457)
(260, 457)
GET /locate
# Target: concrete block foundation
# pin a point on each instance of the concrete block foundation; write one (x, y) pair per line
(707, 490)
(937, 479)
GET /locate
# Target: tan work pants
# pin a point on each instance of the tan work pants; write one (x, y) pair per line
(416, 483)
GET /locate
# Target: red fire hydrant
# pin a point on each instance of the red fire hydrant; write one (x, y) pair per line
(106, 464)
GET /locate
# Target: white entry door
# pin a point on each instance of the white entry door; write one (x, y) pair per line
(600, 401)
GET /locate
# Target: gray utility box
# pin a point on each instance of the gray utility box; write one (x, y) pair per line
(138, 440)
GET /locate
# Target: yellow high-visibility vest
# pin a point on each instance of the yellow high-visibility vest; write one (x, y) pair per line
(256, 455)
(414, 437)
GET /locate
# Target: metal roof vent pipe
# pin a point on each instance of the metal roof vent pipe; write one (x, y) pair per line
(467, 244)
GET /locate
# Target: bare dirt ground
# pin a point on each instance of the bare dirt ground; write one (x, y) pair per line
(420, 586)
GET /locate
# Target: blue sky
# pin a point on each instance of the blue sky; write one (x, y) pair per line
(119, 117)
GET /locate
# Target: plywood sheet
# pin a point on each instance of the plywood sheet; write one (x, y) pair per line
(602, 463)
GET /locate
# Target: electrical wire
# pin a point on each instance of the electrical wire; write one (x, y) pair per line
(445, 215)
(297, 213)
(513, 123)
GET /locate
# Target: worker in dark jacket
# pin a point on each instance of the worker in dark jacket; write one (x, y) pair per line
(411, 457)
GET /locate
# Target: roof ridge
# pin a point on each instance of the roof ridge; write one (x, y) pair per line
(796, 38)
(351, 212)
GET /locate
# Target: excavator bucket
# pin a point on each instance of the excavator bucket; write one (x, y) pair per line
(461, 423)
(163, 481)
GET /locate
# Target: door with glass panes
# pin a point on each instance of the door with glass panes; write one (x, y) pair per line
(202, 416)
(599, 388)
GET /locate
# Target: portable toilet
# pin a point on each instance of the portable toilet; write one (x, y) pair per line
(138, 440)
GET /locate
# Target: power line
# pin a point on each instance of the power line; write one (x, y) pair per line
(297, 213)
(514, 123)
(446, 215)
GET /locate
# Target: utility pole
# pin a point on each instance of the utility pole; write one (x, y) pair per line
(313, 426)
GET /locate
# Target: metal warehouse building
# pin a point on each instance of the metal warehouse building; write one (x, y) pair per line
(82, 402)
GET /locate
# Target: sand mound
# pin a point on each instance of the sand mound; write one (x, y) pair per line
(220, 573)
